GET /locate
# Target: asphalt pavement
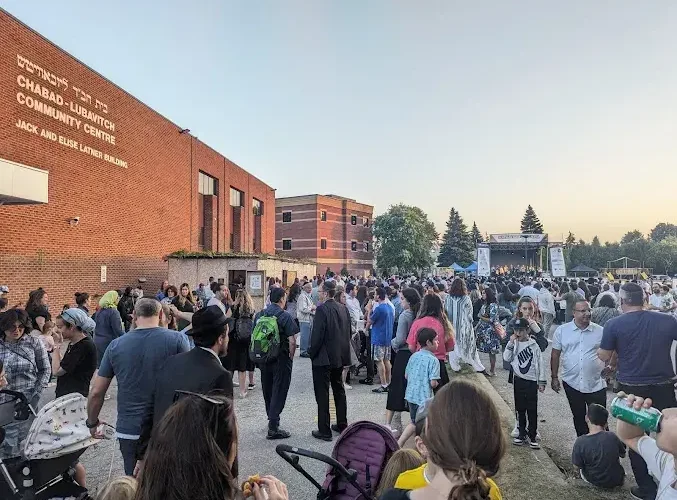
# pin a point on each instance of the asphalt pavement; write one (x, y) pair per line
(256, 454)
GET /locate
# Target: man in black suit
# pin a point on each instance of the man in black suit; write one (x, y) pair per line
(199, 370)
(329, 352)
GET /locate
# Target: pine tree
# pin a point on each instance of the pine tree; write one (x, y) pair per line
(457, 245)
(475, 235)
(530, 223)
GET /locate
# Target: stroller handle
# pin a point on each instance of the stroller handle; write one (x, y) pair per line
(286, 452)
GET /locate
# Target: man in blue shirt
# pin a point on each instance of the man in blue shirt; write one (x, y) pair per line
(134, 359)
(381, 319)
(276, 375)
(642, 340)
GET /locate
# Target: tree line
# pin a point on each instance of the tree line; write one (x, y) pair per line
(405, 240)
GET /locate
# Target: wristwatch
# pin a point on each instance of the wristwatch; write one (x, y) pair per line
(92, 426)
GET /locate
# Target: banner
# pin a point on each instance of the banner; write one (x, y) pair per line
(557, 264)
(518, 238)
(483, 260)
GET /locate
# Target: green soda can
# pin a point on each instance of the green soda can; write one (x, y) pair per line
(647, 419)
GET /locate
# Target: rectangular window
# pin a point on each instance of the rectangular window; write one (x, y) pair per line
(353, 246)
(257, 206)
(323, 243)
(323, 215)
(365, 221)
(365, 245)
(206, 184)
(286, 244)
(353, 220)
(236, 198)
(286, 216)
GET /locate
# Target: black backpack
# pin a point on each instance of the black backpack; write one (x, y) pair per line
(244, 326)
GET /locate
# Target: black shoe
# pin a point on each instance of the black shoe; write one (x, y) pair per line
(277, 434)
(338, 428)
(380, 390)
(367, 381)
(323, 437)
(636, 492)
(304, 355)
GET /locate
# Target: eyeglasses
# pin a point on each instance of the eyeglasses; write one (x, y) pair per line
(180, 394)
(16, 328)
(582, 310)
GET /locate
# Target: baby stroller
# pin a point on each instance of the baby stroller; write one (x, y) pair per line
(57, 438)
(356, 465)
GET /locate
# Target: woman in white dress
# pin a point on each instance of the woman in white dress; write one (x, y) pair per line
(459, 311)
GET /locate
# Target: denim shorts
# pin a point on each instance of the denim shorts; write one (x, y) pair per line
(413, 409)
(380, 352)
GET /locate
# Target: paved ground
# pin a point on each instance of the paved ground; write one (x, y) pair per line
(256, 453)
(556, 424)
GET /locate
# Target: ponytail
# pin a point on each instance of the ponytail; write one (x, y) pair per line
(473, 483)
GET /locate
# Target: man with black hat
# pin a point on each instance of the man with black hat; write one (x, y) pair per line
(330, 351)
(199, 370)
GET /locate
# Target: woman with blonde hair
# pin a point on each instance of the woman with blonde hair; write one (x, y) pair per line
(241, 327)
(108, 323)
(120, 488)
(184, 303)
(402, 460)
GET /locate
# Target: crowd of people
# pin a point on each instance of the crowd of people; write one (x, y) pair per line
(174, 356)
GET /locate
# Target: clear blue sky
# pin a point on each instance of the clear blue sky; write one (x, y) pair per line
(486, 106)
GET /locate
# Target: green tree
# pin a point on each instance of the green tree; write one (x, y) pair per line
(457, 245)
(663, 254)
(475, 235)
(530, 223)
(631, 236)
(403, 240)
(662, 231)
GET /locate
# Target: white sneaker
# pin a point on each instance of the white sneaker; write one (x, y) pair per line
(348, 387)
(396, 432)
(236, 383)
(515, 432)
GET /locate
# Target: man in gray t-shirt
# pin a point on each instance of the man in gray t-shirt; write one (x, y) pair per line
(134, 359)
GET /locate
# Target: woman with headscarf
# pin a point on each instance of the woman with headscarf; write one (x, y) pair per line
(74, 370)
(108, 323)
(458, 307)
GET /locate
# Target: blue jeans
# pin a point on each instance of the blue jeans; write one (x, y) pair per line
(128, 450)
(305, 336)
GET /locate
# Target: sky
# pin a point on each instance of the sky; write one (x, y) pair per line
(485, 106)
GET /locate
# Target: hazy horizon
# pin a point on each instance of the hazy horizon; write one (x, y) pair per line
(487, 107)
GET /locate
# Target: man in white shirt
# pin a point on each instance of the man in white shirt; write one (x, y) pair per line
(218, 298)
(352, 303)
(575, 344)
(528, 290)
(659, 454)
(546, 304)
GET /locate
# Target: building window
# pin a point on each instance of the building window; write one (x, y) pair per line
(353, 220)
(257, 206)
(365, 221)
(365, 245)
(286, 244)
(206, 184)
(236, 198)
(323, 215)
(286, 216)
(353, 246)
(323, 243)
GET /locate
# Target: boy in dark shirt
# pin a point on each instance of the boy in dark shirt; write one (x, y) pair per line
(598, 453)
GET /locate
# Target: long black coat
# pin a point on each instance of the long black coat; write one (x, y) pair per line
(330, 338)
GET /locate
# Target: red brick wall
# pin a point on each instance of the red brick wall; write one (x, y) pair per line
(129, 217)
(307, 230)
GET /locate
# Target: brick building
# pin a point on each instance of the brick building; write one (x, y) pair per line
(331, 230)
(96, 187)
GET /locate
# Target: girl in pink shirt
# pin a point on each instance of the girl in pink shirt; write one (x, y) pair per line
(432, 315)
